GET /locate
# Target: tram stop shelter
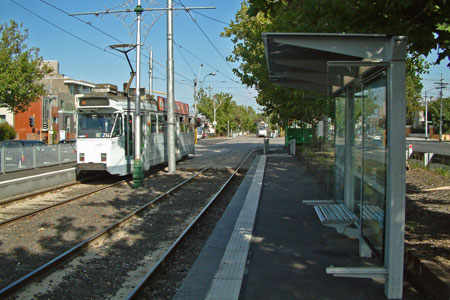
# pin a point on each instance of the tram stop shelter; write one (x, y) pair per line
(365, 77)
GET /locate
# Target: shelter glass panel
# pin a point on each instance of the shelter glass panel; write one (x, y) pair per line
(374, 162)
(360, 93)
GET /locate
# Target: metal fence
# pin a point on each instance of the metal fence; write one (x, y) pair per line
(23, 158)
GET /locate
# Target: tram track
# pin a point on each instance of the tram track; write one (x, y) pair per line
(106, 241)
(31, 205)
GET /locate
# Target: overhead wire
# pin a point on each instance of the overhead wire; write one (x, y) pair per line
(206, 36)
(204, 62)
(63, 30)
(187, 63)
(81, 20)
(208, 17)
(111, 36)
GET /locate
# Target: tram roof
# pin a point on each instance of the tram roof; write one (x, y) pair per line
(303, 60)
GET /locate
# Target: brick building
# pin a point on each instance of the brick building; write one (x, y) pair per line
(53, 114)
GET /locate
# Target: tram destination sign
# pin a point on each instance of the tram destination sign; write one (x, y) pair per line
(94, 102)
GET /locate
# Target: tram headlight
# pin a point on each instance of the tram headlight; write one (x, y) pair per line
(103, 157)
(81, 156)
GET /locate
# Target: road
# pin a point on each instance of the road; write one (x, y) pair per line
(441, 148)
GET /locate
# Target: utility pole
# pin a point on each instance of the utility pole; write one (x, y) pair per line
(195, 102)
(426, 117)
(150, 72)
(170, 92)
(441, 85)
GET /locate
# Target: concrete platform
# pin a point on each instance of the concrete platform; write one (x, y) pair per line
(286, 251)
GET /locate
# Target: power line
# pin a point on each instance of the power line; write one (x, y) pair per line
(205, 16)
(63, 30)
(206, 36)
(203, 61)
(81, 20)
(185, 60)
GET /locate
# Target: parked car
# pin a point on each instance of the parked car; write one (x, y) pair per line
(67, 141)
(21, 143)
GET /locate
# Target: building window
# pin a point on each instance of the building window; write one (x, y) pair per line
(67, 124)
(2, 118)
(45, 112)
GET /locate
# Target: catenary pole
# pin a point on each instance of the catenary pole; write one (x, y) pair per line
(170, 92)
(138, 175)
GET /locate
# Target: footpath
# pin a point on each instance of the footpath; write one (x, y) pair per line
(269, 245)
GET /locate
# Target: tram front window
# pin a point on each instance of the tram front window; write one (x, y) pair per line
(95, 125)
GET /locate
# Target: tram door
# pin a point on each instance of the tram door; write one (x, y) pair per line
(129, 139)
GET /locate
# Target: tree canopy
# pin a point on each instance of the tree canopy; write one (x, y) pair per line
(426, 23)
(239, 117)
(21, 68)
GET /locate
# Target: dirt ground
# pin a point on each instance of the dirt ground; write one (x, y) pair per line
(428, 215)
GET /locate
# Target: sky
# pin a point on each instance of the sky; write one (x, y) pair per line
(81, 47)
(83, 50)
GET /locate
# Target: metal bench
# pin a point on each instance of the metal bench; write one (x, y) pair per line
(345, 222)
(336, 215)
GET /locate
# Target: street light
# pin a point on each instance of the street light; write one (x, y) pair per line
(195, 96)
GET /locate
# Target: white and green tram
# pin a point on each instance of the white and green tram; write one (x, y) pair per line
(105, 133)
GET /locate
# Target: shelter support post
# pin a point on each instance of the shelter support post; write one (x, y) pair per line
(396, 174)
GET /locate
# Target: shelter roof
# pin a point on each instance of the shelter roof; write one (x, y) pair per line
(302, 60)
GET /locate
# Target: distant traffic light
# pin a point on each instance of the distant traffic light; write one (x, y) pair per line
(198, 122)
(31, 121)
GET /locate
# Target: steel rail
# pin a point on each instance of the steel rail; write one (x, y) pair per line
(19, 197)
(21, 282)
(174, 245)
(59, 203)
(63, 201)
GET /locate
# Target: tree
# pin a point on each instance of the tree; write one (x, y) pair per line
(21, 69)
(354, 16)
(434, 114)
(414, 104)
(238, 117)
(245, 31)
(425, 23)
(7, 132)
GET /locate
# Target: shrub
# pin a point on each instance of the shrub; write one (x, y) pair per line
(7, 132)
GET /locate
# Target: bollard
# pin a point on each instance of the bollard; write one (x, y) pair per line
(292, 146)
(427, 158)
(266, 146)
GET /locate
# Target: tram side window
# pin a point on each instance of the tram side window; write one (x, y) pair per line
(117, 130)
(182, 129)
(190, 125)
(153, 124)
(161, 123)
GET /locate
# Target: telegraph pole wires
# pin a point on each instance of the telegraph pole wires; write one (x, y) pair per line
(441, 85)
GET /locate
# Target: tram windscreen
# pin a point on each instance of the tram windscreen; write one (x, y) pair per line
(95, 125)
